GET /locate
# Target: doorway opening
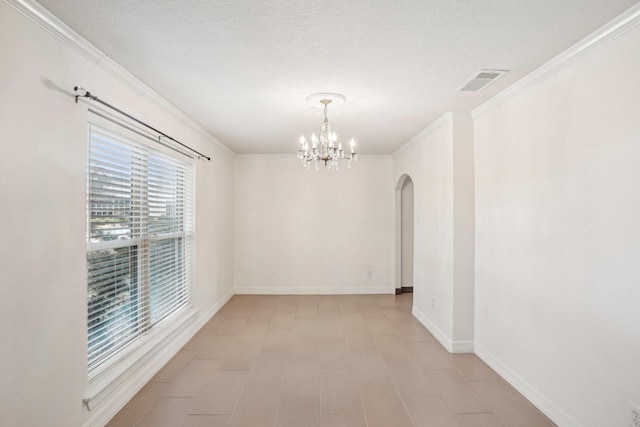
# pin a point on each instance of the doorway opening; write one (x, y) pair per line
(404, 235)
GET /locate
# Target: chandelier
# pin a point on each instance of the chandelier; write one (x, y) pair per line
(325, 148)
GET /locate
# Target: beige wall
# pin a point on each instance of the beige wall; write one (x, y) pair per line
(43, 369)
(558, 237)
(299, 231)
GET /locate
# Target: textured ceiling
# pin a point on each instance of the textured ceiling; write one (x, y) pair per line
(242, 68)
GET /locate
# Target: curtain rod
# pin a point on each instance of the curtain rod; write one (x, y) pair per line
(88, 95)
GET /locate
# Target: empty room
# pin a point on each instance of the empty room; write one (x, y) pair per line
(320, 213)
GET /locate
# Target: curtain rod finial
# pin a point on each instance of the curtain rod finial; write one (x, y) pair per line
(76, 89)
(86, 93)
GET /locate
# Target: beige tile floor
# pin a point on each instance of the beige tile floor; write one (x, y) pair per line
(352, 360)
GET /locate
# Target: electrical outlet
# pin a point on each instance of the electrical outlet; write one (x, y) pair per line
(634, 415)
(370, 274)
(433, 302)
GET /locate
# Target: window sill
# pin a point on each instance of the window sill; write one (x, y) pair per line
(139, 356)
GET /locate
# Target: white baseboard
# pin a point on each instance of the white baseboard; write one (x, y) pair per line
(450, 345)
(129, 386)
(535, 396)
(431, 327)
(462, 347)
(311, 291)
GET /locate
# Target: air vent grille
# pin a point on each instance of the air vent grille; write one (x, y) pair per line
(634, 420)
(482, 79)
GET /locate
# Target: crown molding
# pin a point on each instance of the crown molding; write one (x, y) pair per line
(610, 31)
(433, 126)
(54, 26)
(265, 156)
(46, 20)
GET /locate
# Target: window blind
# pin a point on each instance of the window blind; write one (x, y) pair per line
(140, 232)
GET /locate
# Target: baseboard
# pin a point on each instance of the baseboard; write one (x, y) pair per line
(310, 291)
(532, 394)
(450, 345)
(431, 327)
(128, 388)
(462, 346)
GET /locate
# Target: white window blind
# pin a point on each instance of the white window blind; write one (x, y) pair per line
(140, 231)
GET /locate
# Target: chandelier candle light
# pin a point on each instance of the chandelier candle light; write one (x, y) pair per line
(326, 147)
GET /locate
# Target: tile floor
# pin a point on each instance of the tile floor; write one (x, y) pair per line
(352, 360)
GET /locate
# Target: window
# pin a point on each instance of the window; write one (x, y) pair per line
(140, 231)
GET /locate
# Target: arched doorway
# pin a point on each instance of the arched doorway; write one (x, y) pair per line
(404, 234)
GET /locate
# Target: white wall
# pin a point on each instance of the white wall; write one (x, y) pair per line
(427, 159)
(558, 237)
(443, 237)
(43, 369)
(406, 231)
(463, 231)
(299, 231)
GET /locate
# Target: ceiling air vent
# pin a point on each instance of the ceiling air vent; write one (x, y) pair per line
(482, 79)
